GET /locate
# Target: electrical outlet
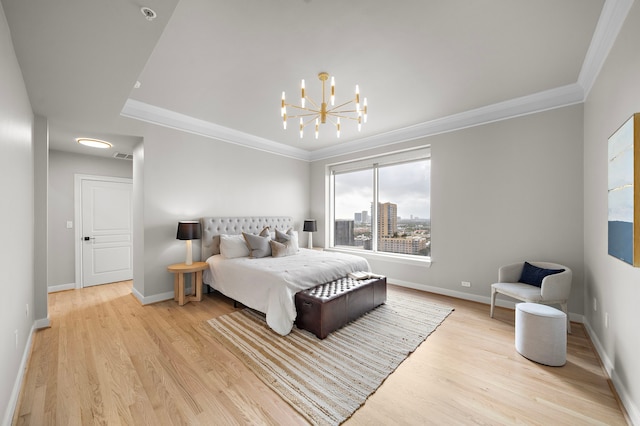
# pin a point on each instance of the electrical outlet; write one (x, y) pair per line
(69, 224)
(595, 304)
(606, 320)
(466, 284)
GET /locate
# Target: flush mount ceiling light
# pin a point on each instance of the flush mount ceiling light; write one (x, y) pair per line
(318, 114)
(94, 143)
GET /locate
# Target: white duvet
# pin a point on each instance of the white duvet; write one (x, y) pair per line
(269, 284)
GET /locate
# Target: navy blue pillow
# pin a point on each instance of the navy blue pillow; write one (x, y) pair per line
(534, 275)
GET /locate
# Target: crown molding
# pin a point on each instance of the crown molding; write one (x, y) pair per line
(542, 101)
(612, 17)
(537, 102)
(175, 120)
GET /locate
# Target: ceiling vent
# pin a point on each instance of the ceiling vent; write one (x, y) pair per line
(123, 156)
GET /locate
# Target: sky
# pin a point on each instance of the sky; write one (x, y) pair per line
(406, 185)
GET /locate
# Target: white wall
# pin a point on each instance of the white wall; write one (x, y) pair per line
(16, 215)
(188, 176)
(62, 168)
(502, 192)
(615, 284)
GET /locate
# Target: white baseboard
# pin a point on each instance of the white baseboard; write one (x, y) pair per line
(466, 296)
(61, 287)
(629, 404)
(17, 385)
(146, 300)
(42, 323)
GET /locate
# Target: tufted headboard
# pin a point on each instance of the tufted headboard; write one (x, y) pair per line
(212, 227)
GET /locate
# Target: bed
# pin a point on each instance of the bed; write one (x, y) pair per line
(268, 284)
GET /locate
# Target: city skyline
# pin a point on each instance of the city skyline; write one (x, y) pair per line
(406, 185)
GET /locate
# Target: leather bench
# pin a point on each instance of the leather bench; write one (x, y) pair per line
(327, 307)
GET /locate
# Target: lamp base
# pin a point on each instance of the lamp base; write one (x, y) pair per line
(310, 245)
(189, 259)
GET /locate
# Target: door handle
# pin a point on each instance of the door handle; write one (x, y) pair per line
(89, 238)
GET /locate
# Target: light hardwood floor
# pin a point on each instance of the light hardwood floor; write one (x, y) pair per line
(108, 360)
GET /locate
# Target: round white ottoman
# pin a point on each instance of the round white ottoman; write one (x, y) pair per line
(541, 333)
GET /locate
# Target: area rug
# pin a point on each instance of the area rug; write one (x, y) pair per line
(328, 380)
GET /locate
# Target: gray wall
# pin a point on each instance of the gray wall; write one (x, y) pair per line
(40, 214)
(615, 284)
(187, 176)
(63, 166)
(500, 193)
(17, 217)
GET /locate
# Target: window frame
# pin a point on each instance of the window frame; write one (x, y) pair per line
(373, 163)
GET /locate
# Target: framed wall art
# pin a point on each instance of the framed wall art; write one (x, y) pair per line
(624, 192)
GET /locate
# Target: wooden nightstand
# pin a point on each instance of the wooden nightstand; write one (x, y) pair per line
(179, 269)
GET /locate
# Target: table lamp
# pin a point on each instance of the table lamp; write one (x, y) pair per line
(310, 227)
(189, 230)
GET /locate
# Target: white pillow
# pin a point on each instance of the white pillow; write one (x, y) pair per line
(232, 246)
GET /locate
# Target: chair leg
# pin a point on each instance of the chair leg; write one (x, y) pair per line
(566, 311)
(493, 300)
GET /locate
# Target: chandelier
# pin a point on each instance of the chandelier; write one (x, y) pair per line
(318, 114)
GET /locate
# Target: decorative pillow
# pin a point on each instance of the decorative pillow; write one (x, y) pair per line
(215, 245)
(265, 232)
(258, 245)
(290, 235)
(232, 246)
(533, 275)
(282, 249)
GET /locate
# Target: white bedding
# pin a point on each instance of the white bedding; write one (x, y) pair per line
(269, 284)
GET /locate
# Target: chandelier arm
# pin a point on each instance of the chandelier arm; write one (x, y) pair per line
(335, 123)
(346, 117)
(310, 121)
(312, 102)
(341, 105)
(345, 111)
(304, 108)
(314, 114)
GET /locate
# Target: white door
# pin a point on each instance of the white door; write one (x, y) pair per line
(107, 220)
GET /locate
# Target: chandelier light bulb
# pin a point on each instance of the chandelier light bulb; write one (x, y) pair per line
(301, 127)
(302, 95)
(282, 106)
(338, 128)
(359, 123)
(333, 90)
(317, 127)
(365, 110)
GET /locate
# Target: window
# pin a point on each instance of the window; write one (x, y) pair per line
(382, 204)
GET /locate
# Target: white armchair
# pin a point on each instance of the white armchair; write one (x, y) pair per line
(555, 288)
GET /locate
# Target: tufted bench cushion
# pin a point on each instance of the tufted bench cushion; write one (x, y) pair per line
(327, 307)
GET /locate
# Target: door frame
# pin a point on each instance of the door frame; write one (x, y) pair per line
(77, 214)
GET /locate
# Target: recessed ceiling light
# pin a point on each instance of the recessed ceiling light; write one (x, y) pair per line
(94, 143)
(148, 13)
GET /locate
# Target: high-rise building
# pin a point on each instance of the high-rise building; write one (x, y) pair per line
(343, 232)
(365, 216)
(357, 217)
(387, 219)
